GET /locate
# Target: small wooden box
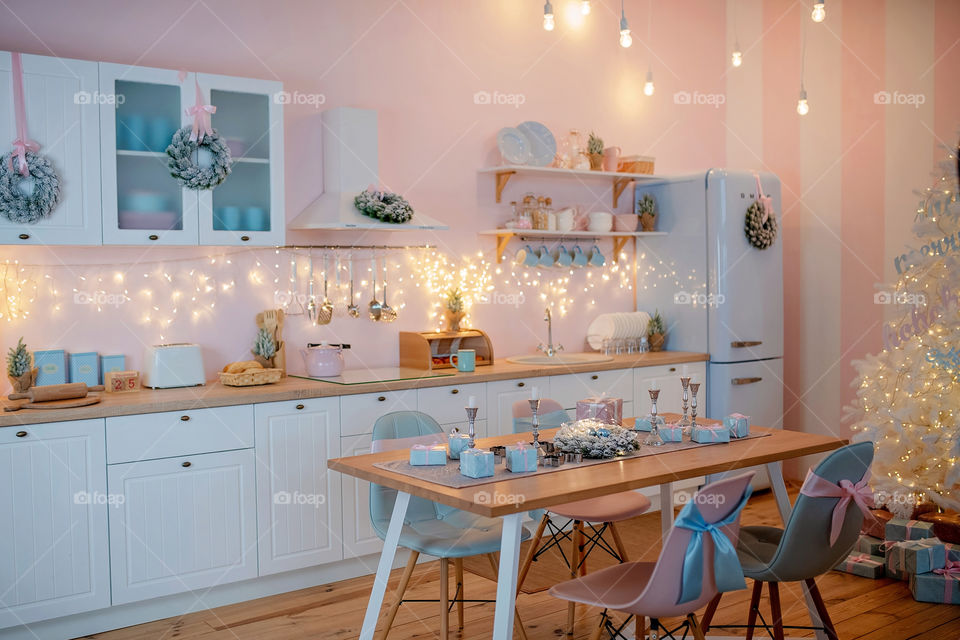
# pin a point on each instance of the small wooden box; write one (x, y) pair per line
(121, 381)
(432, 349)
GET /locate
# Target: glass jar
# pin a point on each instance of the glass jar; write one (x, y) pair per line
(549, 214)
(540, 222)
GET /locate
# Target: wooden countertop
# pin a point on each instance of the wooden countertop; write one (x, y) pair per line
(214, 394)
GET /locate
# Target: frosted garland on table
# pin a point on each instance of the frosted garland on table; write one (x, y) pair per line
(908, 397)
(595, 439)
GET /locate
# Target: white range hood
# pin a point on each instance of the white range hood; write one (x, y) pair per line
(349, 167)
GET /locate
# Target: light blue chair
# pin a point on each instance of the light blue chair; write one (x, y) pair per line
(802, 550)
(430, 528)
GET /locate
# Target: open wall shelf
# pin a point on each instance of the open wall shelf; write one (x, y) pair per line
(620, 238)
(619, 180)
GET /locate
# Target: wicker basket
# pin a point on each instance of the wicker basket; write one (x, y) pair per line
(251, 378)
(636, 164)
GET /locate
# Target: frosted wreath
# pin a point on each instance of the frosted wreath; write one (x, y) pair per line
(760, 233)
(28, 198)
(595, 439)
(384, 206)
(184, 168)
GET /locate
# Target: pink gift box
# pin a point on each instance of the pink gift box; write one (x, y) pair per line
(602, 408)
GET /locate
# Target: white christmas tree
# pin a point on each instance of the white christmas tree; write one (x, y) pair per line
(908, 396)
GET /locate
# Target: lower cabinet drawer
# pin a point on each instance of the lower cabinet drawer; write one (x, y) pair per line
(181, 524)
(446, 404)
(177, 433)
(359, 412)
(568, 389)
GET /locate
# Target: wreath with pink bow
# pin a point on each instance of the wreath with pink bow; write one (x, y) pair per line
(760, 224)
(198, 157)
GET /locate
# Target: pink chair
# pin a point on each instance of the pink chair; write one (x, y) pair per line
(698, 560)
(606, 510)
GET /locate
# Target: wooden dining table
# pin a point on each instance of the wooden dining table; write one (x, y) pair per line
(511, 499)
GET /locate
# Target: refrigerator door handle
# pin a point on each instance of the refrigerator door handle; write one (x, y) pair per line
(739, 344)
(740, 381)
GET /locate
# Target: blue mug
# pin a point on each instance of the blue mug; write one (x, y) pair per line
(579, 257)
(546, 260)
(465, 360)
(527, 257)
(230, 219)
(564, 259)
(256, 219)
(161, 134)
(596, 258)
(134, 133)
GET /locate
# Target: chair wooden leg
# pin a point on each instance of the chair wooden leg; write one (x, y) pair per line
(583, 549)
(640, 632)
(695, 627)
(401, 589)
(444, 598)
(821, 609)
(775, 612)
(708, 614)
(534, 546)
(618, 541)
(754, 607)
(574, 561)
(518, 622)
(600, 627)
(458, 569)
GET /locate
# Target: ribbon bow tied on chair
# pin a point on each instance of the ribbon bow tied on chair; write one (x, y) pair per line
(727, 572)
(201, 116)
(860, 493)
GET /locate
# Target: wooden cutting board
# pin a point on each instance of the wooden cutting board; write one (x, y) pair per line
(69, 403)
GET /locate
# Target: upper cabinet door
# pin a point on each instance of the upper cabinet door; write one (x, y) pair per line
(141, 110)
(247, 209)
(62, 117)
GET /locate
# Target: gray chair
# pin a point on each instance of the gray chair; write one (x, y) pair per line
(430, 528)
(802, 550)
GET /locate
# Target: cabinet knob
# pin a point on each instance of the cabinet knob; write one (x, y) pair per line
(454, 391)
(21, 434)
(520, 384)
(153, 236)
(184, 418)
(299, 407)
(185, 463)
(245, 238)
(24, 236)
(672, 369)
(594, 377)
(382, 399)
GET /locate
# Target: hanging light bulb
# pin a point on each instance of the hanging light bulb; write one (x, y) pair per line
(736, 58)
(802, 107)
(648, 87)
(585, 7)
(819, 11)
(625, 38)
(548, 16)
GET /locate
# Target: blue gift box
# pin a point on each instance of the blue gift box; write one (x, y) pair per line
(862, 564)
(85, 367)
(111, 363)
(915, 556)
(476, 463)
(51, 366)
(738, 424)
(671, 433)
(643, 424)
(713, 433)
(457, 443)
(871, 546)
(900, 529)
(422, 455)
(936, 587)
(520, 459)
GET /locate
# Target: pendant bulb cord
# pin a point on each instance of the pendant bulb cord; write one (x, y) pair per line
(803, 54)
(649, 21)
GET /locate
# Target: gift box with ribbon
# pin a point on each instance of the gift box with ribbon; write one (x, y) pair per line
(710, 433)
(900, 529)
(521, 457)
(671, 433)
(738, 424)
(602, 408)
(643, 424)
(940, 585)
(862, 564)
(457, 442)
(914, 556)
(428, 454)
(953, 551)
(871, 546)
(476, 463)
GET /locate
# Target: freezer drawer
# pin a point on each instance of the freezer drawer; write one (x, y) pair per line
(752, 388)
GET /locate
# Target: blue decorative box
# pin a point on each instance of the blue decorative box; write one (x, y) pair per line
(671, 433)
(936, 587)
(85, 367)
(862, 564)
(711, 433)
(422, 454)
(476, 463)
(914, 556)
(643, 424)
(456, 443)
(111, 363)
(51, 366)
(738, 424)
(521, 458)
(871, 546)
(900, 529)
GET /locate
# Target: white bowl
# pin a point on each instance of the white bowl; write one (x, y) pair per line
(600, 222)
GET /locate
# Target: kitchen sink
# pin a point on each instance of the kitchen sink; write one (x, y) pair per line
(560, 358)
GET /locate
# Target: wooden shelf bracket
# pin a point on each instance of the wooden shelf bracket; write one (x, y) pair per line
(502, 178)
(619, 242)
(619, 184)
(503, 239)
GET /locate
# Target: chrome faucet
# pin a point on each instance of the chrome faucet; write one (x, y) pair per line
(548, 348)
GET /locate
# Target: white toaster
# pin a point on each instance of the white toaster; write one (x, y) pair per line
(172, 365)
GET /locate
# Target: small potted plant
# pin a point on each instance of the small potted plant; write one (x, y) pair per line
(20, 369)
(647, 210)
(595, 151)
(656, 333)
(264, 349)
(454, 309)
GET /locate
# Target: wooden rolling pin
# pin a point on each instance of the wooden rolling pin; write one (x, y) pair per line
(50, 392)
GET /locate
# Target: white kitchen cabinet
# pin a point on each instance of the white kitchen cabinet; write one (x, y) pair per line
(298, 498)
(62, 117)
(180, 524)
(358, 412)
(53, 559)
(446, 404)
(667, 379)
(359, 538)
(500, 398)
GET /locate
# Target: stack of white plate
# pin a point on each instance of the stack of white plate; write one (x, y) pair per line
(616, 326)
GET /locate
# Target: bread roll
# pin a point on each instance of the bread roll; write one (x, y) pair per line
(242, 367)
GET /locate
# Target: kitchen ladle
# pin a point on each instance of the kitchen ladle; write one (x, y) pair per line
(374, 306)
(325, 312)
(311, 299)
(352, 309)
(387, 313)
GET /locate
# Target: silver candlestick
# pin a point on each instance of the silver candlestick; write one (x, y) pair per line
(653, 440)
(694, 388)
(535, 421)
(471, 419)
(685, 383)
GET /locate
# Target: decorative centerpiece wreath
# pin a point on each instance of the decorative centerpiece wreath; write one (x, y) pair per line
(595, 439)
(383, 205)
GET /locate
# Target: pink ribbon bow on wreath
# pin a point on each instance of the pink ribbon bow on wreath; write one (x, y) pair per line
(816, 487)
(23, 143)
(766, 203)
(201, 116)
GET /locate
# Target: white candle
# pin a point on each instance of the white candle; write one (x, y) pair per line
(686, 370)
(653, 385)
(472, 402)
(535, 393)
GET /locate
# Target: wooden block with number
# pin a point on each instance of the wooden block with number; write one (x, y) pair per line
(120, 381)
